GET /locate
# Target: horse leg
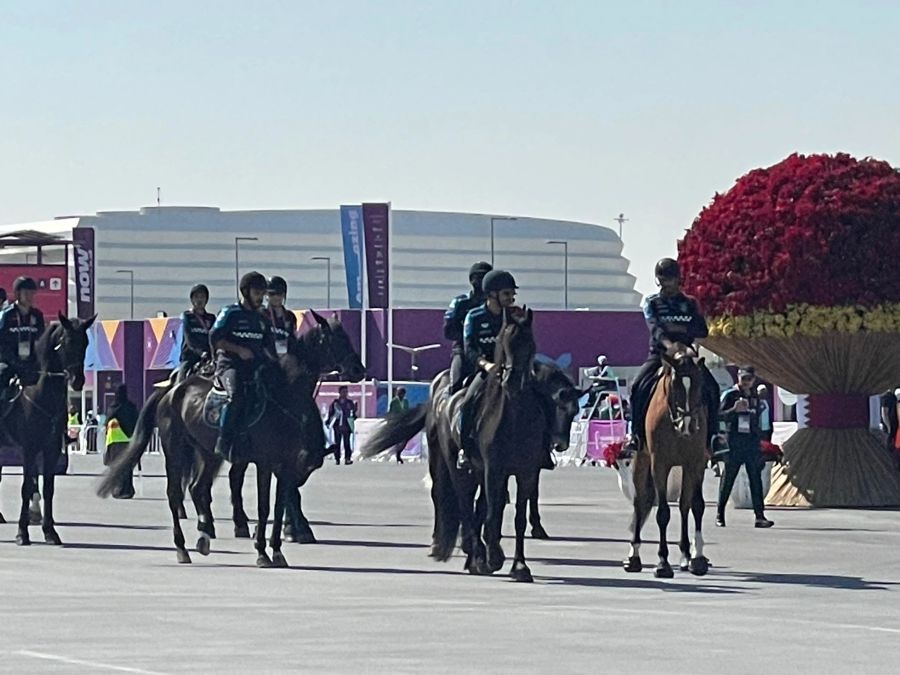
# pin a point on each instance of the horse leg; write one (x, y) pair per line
(643, 503)
(699, 564)
(495, 482)
(175, 496)
(684, 506)
(263, 490)
(282, 490)
(537, 529)
(201, 494)
(525, 490)
(236, 480)
(663, 514)
(29, 475)
(303, 533)
(48, 524)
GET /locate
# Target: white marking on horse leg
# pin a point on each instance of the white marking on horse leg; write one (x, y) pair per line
(635, 551)
(686, 382)
(698, 544)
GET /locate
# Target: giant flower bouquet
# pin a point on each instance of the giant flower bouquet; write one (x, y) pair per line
(798, 270)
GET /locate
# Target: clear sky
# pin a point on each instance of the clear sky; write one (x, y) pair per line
(572, 110)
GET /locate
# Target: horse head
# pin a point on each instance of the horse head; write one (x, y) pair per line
(560, 398)
(330, 345)
(70, 343)
(684, 370)
(516, 349)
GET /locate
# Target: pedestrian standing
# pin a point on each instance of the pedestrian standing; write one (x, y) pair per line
(399, 405)
(740, 411)
(341, 417)
(120, 423)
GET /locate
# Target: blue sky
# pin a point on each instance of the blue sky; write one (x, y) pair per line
(573, 110)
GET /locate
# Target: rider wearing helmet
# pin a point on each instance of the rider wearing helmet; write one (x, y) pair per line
(243, 341)
(196, 323)
(480, 331)
(671, 317)
(454, 318)
(21, 325)
(284, 321)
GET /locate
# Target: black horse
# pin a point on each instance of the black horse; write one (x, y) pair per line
(512, 419)
(322, 350)
(37, 418)
(288, 440)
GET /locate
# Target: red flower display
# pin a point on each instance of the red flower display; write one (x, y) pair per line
(818, 229)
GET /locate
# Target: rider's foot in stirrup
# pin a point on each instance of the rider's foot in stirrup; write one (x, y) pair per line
(718, 447)
(462, 461)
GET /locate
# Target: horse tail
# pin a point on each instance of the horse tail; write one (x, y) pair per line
(396, 429)
(143, 434)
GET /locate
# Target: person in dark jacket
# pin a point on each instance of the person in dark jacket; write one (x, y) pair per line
(672, 317)
(283, 320)
(741, 408)
(21, 326)
(341, 418)
(196, 324)
(454, 318)
(121, 421)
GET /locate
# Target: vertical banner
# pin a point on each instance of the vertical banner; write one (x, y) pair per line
(351, 230)
(85, 288)
(375, 223)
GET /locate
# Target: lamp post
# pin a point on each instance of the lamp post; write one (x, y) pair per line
(237, 264)
(327, 260)
(413, 353)
(565, 245)
(494, 219)
(130, 274)
(621, 220)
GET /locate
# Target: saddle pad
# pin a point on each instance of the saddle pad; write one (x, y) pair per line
(217, 398)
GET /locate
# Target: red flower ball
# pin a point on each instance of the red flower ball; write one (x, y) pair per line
(822, 230)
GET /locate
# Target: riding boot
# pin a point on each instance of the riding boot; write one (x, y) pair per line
(227, 432)
(465, 437)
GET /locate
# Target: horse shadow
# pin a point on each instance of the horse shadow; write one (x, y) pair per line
(136, 547)
(328, 523)
(116, 526)
(370, 544)
(633, 582)
(833, 581)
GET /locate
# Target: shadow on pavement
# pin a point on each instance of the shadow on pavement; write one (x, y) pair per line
(116, 526)
(633, 582)
(815, 581)
(370, 544)
(135, 547)
(331, 524)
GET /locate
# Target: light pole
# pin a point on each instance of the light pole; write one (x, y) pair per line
(565, 246)
(621, 220)
(327, 260)
(130, 274)
(413, 353)
(494, 219)
(237, 264)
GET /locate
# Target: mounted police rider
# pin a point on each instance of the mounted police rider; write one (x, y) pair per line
(454, 318)
(480, 331)
(671, 317)
(243, 341)
(196, 324)
(21, 326)
(283, 320)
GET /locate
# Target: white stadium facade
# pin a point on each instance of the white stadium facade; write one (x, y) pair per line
(168, 249)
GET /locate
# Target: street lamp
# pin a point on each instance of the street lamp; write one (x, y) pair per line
(413, 353)
(494, 219)
(565, 246)
(237, 264)
(130, 273)
(327, 260)
(621, 220)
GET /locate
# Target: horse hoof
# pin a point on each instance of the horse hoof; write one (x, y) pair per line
(684, 565)
(305, 537)
(264, 561)
(22, 539)
(242, 531)
(182, 556)
(52, 538)
(212, 532)
(203, 544)
(538, 532)
(663, 571)
(632, 564)
(496, 558)
(699, 566)
(278, 560)
(479, 567)
(521, 573)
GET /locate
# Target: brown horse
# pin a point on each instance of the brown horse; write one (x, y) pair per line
(676, 436)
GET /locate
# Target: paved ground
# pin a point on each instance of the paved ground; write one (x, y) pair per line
(818, 593)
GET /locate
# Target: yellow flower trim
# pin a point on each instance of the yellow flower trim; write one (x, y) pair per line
(809, 320)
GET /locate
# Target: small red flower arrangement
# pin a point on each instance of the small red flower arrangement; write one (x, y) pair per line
(771, 452)
(612, 452)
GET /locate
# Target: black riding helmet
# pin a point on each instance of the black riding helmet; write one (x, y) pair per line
(199, 289)
(252, 280)
(667, 268)
(24, 284)
(479, 269)
(498, 280)
(278, 286)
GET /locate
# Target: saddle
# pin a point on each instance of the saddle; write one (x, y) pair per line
(256, 396)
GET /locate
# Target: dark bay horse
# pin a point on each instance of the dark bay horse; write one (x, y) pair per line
(321, 350)
(37, 418)
(289, 441)
(676, 436)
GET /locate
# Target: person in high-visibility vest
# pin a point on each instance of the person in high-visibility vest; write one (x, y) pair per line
(120, 423)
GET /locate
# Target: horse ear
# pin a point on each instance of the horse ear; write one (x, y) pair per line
(529, 316)
(90, 322)
(321, 320)
(65, 322)
(335, 319)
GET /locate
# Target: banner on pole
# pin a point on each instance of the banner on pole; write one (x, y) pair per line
(352, 233)
(85, 271)
(375, 226)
